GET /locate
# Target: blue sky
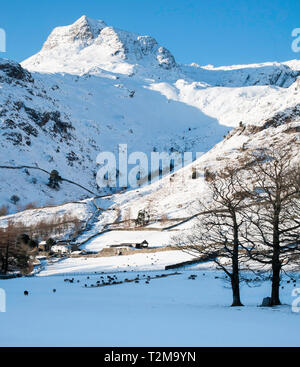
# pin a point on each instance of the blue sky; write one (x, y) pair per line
(206, 32)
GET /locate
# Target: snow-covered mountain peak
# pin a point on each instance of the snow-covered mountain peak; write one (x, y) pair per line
(79, 34)
(88, 44)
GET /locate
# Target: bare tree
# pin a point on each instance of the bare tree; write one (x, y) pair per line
(271, 233)
(7, 245)
(15, 249)
(216, 233)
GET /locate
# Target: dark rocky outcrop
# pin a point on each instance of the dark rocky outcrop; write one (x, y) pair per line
(15, 71)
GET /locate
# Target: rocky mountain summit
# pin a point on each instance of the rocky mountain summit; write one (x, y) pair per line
(89, 44)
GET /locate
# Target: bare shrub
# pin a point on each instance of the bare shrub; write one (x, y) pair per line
(127, 218)
(209, 176)
(4, 210)
(30, 206)
(164, 219)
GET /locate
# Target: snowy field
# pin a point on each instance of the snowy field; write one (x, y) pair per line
(154, 238)
(172, 311)
(136, 262)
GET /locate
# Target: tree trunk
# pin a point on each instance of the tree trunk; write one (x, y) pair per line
(276, 265)
(4, 266)
(235, 284)
(5, 261)
(275, 300)
(235, 279)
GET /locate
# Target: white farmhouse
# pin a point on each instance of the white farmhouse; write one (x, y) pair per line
(60, 249)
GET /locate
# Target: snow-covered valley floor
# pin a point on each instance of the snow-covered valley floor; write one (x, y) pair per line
(135, 262)
(172, 311)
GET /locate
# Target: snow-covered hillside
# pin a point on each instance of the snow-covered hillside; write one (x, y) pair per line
(93, 86)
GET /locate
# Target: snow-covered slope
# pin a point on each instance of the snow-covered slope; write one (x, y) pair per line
(93, 86)
(174, 200)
